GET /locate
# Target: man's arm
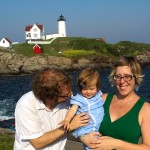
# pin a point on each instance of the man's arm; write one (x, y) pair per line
(48, 138)
(54, 135)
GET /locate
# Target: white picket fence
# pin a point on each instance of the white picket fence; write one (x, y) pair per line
(41, 42)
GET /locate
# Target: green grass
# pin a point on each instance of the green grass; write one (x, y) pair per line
(79, 47)
(6, 142)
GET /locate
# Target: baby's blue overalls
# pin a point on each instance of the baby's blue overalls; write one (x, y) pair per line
(94, 107)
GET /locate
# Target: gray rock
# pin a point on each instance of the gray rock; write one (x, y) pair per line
(12, 63)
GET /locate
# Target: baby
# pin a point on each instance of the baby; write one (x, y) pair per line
(88, 100)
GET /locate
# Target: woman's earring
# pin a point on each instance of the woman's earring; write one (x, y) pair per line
(112, 85)
(136, 88)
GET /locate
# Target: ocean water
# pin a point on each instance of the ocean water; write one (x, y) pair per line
(13, 87)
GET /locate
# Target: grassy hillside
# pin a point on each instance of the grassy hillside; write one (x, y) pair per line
(75, 47)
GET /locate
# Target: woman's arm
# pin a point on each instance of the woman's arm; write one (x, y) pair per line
(108, 143)
(144, 120)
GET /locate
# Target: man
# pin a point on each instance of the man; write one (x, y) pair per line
(39, 111)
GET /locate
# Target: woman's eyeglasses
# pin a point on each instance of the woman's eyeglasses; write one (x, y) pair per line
(126, 77)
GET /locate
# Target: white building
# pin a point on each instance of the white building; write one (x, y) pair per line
(36, 32)
(61, 26)
(5, 42)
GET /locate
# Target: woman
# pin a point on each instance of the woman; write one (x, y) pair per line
(127, 116)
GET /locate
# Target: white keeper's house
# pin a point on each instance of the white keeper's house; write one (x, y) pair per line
(36, 31)
(5, 42)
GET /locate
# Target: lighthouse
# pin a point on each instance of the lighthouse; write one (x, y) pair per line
(61, 26)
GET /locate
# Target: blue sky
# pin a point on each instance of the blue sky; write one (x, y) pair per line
(113, 20)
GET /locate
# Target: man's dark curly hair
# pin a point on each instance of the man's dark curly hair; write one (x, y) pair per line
(47, 83)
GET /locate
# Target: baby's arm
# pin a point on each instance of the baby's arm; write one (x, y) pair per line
(70, 114)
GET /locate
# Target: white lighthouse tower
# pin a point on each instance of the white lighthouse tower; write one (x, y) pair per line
(61, 26)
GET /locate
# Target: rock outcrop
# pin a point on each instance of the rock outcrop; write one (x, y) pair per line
(12, 63)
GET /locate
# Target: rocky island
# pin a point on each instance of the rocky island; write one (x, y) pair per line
(15, 64)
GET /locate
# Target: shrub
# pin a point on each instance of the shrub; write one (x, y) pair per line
(78, 53)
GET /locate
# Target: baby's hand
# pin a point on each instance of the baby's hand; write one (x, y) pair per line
(65, 124)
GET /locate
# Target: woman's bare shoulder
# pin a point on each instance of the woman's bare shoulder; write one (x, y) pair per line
(104, 96)
(146, 108)
(145, 112)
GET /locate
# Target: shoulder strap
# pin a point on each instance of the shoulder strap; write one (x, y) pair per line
(108, 100)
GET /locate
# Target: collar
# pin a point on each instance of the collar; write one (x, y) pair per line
(40, 106)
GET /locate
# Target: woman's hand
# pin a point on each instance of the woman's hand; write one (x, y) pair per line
(91, 139)
(101, 143)
(79, 121)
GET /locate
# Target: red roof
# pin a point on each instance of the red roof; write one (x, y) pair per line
(37, 45)
(37, 49)
(8, 40)
(28, 27)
